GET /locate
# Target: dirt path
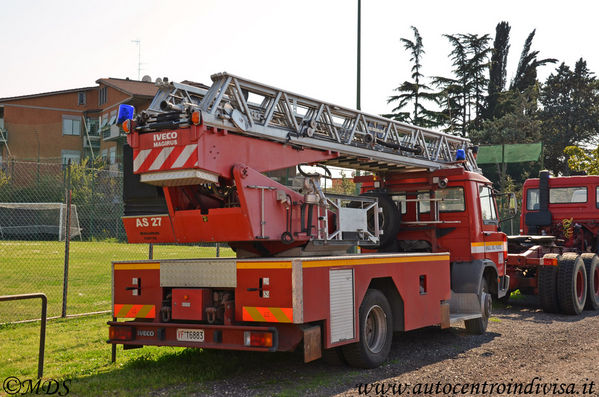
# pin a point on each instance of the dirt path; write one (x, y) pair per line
(524, 352)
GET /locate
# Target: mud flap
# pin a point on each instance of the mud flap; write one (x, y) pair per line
(312, 343)
(445, 315)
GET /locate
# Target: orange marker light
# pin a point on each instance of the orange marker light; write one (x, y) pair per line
(550, 261)
(127, 126)
(196, 118)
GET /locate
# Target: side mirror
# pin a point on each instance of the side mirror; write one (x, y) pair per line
(512, 204)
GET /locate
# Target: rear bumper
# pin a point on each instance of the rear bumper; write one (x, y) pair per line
(222, 337)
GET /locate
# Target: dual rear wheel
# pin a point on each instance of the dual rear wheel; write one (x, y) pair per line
(570, 286)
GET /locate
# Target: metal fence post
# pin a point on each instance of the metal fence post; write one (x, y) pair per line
(92, 230)
(40, 360)
(67, 240)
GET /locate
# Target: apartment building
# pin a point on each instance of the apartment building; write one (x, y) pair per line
(72, 124)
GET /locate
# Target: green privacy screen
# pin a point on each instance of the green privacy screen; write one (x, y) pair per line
(513, 153)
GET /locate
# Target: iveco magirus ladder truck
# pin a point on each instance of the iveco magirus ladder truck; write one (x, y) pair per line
(196, 170)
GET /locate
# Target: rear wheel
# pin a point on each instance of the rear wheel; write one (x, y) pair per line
(479, 325)
(591, 265)
(571, 283)
(376, 332)
(547, 281)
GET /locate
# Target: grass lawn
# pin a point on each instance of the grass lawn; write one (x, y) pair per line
(38, 266)
(76, 349)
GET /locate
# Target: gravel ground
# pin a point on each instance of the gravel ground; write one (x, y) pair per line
(524, 352)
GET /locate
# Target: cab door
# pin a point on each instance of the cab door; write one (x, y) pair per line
(495, 242)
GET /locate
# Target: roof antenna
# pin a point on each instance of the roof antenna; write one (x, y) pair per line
(138, 42)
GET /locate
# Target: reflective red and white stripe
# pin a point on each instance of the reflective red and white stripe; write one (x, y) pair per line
(167, 158)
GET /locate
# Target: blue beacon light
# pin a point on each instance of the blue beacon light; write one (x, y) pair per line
(125, 113)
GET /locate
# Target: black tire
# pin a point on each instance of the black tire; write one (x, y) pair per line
(389, 219)
(478, 326)
(591, 265)
(547, 282)
(333, 357)
(571, 284)
(375, 331)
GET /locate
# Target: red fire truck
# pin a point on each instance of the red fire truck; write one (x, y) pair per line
(555, 254)
(197, 170)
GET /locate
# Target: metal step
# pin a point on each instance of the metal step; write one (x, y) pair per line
(457, 317)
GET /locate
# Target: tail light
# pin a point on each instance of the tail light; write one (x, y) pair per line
(257, 339)
(120, 333)
(550, 261)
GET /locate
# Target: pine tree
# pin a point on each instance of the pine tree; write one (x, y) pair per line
(413, 91)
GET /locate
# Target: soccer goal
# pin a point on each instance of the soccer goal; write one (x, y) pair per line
(37, 221)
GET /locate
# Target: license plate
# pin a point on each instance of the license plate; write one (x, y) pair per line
(190, 335)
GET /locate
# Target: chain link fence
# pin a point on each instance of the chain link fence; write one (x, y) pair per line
(74, 273)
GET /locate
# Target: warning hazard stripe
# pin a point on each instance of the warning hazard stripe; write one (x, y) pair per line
(134, 311)
(166, 158)
(268, 314)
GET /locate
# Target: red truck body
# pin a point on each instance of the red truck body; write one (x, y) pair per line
(554, 255)
(432, 252)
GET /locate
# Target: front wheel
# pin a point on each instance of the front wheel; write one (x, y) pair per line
(479, 325)
(376, 332)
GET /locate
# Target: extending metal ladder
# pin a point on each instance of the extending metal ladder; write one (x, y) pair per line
(364, 141)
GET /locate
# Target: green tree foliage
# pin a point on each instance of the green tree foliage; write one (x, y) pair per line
(344, 186)
(415, 91)
(470, 53)
(498, 68)
(4, 178)
(570, 101)
(583, 161)
(520, 125)
(526, 74)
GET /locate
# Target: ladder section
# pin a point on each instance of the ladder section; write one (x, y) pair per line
(364, 141)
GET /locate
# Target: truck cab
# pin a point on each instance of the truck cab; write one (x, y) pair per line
(449, 210)
(565, 207)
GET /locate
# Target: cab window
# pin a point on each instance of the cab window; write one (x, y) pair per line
(487, 205)
(400, 202)
(532, 199)
(424, 202)
(567, 195)
(452, 199)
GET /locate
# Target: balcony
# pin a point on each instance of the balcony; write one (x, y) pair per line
(112, 132)
(93, 142)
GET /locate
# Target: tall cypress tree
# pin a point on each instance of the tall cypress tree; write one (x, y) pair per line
(498, 68)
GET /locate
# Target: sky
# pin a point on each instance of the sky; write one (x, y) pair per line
(307, 47)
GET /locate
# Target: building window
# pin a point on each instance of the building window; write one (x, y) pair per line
(71, 125)
(105, 155)
(73, 155)
(113, 155)
(103, 96)
(81, 100)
